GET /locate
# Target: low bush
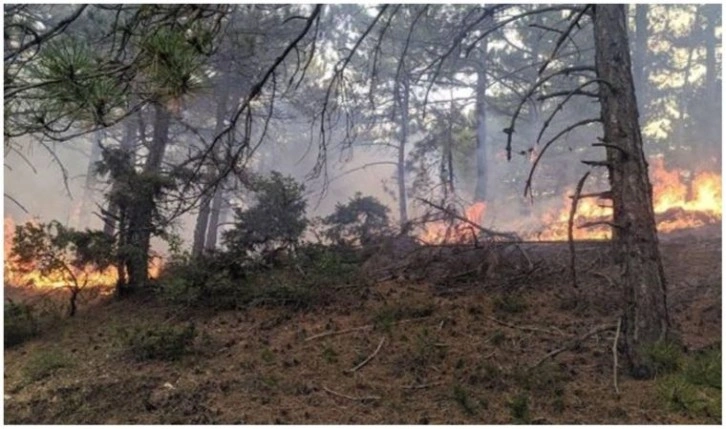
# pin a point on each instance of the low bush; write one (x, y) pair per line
(20, 323)
(663, 357)
(43, 364)
(162, 342)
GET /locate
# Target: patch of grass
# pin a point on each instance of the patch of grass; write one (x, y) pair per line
(679, 395)
(160, 342)
(267, 356)
(487, 375)
(386, 316)
(663, 357)
(330, 355)
(519, 408)
(19, 323)
(509, 303)
(43, 364)
(548, 377)
(704, 369)
(461, 397)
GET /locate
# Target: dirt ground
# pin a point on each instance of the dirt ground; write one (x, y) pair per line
(425, 351)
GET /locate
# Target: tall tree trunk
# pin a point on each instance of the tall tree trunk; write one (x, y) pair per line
(214, 219)
(482, 169)
(640, 53)
(141, 215)
(635, 238)
(402, 98)
(128, 143)
(203, 218)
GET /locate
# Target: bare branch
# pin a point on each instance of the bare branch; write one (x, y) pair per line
(570, 222)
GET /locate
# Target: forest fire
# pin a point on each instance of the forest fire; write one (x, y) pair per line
(21, 274)
(677, 205)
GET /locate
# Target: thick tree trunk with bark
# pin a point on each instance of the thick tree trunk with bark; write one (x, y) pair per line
(635, 238)
(204, 223)
(402, 96)
(141, 216)
(214, 216)
(480, 193)
(640, 51)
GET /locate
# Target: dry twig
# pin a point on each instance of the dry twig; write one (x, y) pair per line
(523, 328)
(368, 359)
(352, 398)
(359, 328)
(570, 223)
(573, 343)
(615, 357)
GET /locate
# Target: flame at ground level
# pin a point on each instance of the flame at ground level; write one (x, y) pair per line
(19, 274)
(677, 205)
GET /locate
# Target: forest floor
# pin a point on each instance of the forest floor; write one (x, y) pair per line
(425, 351)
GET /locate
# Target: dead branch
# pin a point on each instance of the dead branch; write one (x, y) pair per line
(597, 223)
(614, 147)
(510, 130)
(570, 223)
(561, 105)
(601, 195)
(523, 328)
(507, 235)
(615, 356)
(422, 386)
(528, 184)
(16, 202)
(596, 163)
(352, 398)
(565, 34)
(567, 93)
(359, 328)
(575, 342)
(368, 359)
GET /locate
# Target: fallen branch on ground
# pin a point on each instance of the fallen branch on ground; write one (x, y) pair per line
(523, 328)
(359, 328)
(352, 398)
(368, 359)
(506, 235)
(574, 343)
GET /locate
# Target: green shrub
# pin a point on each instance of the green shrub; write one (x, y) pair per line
(509, 303)
(20, 323)
(519, 408)
(43, 364)
(663, 357)
(704, 369)
(461, 396)
(162, 343)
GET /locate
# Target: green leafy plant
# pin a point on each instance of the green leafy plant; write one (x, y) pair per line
(359, 222)
(519, 408)
(273, 225)
(162, 342)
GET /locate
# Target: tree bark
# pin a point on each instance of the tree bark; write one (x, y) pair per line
(635, 238)
(203, 224)
(480, 193)
(141, 216)
(214, 216)
(640, 53)
(402, 98)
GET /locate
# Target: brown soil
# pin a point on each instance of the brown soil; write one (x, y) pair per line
(463, 359)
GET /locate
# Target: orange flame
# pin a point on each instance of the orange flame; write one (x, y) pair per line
(19, 274)
(458, 232)
(674, 206)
